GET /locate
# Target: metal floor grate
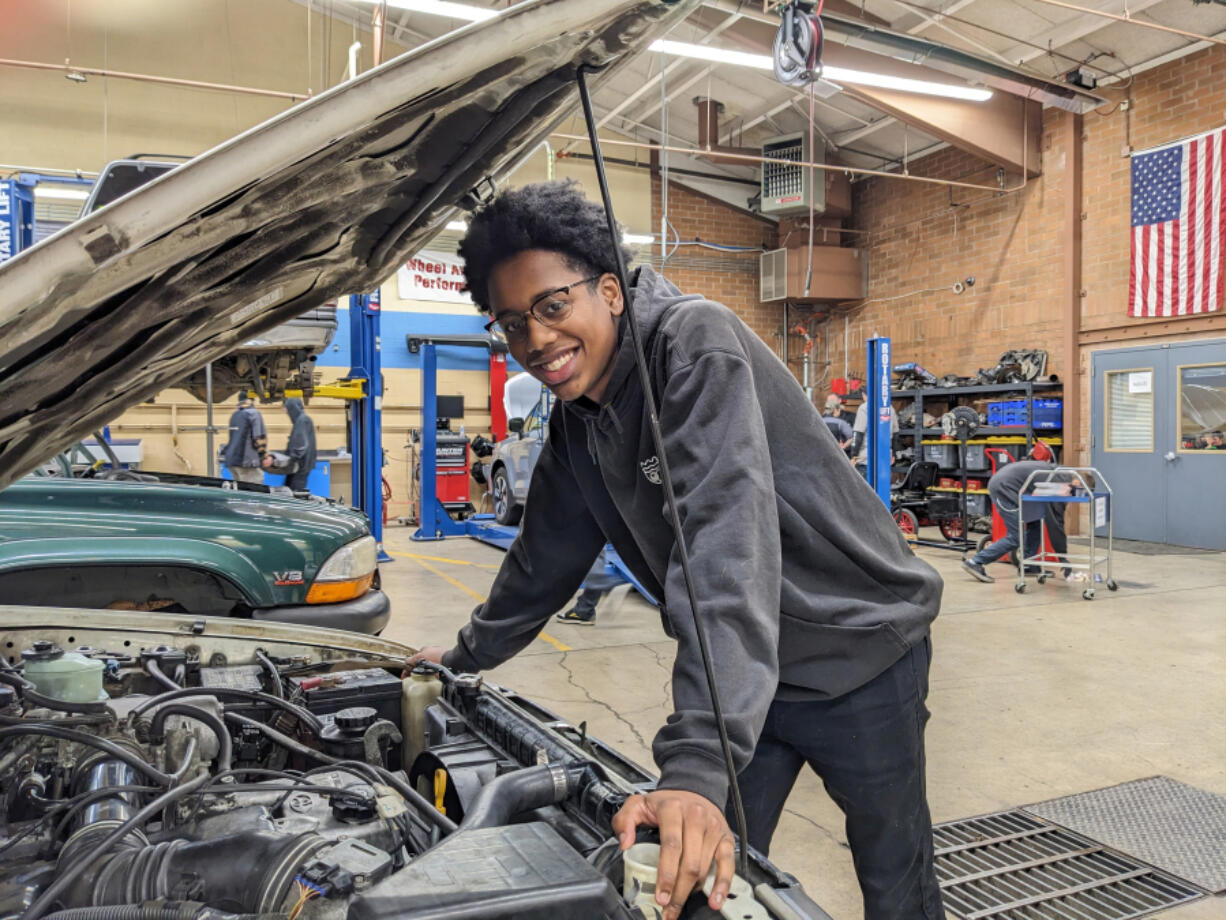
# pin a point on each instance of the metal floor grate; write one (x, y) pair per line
(1011, 866)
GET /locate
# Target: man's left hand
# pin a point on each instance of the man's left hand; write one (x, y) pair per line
(693, 834)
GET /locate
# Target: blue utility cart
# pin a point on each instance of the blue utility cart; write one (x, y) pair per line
(1085, 486)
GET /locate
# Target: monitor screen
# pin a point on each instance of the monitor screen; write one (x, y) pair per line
(450, 406)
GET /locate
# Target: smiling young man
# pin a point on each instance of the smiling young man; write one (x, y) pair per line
(819, 631)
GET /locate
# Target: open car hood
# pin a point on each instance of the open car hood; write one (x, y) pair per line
(324, 200)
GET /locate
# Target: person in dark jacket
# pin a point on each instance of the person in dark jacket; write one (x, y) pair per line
(819, 631)
(246, 453)
(1004, 489)
(301, 449)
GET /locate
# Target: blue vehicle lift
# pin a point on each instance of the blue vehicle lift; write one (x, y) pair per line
(877, 399)
(366, 412)
(17, 209)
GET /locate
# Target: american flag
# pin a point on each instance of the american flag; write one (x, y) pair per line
(1177, 226)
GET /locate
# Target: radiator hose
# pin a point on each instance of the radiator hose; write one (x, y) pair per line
(524, 790)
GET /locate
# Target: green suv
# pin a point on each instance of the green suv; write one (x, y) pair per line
(207, 551)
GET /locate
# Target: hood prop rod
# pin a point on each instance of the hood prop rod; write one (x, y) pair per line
(657, 439)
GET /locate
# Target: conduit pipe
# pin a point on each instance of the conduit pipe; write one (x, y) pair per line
(1136, 22)
(750, 159)
(69, 68)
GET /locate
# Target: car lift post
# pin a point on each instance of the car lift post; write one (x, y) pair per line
(877, 401)
(17, 209)
(366, 414)
(434, 523)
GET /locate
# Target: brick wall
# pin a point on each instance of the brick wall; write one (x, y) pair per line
(729, 278)
(922, 238)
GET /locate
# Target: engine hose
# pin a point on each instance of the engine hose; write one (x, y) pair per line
(245, 872)
(304, 716)
(512, 794)
(69, 875)
(113, 750)
(154, 671)
(158, 724)
(30, 695)
(167, 910)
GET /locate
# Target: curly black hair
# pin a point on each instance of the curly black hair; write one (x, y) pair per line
(554, 216)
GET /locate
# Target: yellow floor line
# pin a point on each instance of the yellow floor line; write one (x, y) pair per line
(446, 559)
(421, 560)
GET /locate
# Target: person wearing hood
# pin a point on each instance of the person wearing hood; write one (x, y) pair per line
(301, 449)
(819, 632)
(246, 453)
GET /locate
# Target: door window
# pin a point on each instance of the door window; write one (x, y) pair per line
(1129, 421)
(1202, 408)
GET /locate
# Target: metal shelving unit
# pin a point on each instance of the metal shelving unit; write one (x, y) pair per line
(952, 396)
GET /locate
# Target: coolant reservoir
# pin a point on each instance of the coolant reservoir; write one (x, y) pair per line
(421, 688)
(61, 675)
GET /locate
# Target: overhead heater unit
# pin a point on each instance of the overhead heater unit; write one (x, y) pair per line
(786, 189)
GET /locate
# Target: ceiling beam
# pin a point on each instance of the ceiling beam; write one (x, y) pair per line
(1070, 30)
(1005, 129)
(938, 21)
(935, 20)
(850, 137)
(672, 94)
(816, 127)
(667, 69)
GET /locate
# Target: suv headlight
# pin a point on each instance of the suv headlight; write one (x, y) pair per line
(346, 574)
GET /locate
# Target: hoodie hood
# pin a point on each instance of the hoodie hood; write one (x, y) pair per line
(651, 297)
(293, 406)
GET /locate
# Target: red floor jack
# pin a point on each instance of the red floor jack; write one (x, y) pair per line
(998, 523)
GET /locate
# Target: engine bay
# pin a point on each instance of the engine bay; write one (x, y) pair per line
(198, 770)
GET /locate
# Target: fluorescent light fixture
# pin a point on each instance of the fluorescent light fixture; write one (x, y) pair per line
(637, 239)
(834, 74)
(442, 8)
(459, 226)
(65, 194)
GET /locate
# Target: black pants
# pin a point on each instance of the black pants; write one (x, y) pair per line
(297, 482)
(868, 748)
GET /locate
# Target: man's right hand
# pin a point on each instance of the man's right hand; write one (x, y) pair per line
(432, 653)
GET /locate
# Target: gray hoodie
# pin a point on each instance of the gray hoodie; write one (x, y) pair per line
(804, 582)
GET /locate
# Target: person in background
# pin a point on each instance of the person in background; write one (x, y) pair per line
(841, 430)
(596, 585)
(1214, 441)
(1005, 489)
(247, 450)
(859, 445)
(301, 447)
(836, 407)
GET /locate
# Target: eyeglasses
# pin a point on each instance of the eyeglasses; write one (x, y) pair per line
(549, 309)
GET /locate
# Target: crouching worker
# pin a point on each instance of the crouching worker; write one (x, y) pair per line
(819, 631)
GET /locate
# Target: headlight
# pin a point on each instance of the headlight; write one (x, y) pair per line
(347, 573)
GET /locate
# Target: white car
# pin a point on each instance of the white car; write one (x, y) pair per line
(510, 466)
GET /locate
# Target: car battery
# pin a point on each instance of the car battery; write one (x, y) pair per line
(451, 466)
(324, 694)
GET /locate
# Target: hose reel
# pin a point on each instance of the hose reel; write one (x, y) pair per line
(798, 45)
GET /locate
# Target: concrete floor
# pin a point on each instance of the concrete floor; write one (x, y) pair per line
(1033, 696)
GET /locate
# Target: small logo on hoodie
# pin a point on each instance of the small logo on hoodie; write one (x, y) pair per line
(651, 469)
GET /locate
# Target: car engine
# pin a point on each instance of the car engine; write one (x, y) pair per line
(249, 778)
